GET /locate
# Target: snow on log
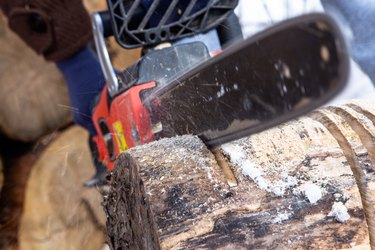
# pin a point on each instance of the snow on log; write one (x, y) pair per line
(59, 213)
(308, 183)
(33, 96)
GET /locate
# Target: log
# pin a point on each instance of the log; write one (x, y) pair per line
(28, 83)
(59, 213)
(33, 96)
(305, 184)
(1, 175)
(17, 158)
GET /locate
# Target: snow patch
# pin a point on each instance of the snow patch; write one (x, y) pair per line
(249, 169)
(235, 152)
(281, 217)
(340, 212)
(312, 192)
(238, 157)
(279, 188)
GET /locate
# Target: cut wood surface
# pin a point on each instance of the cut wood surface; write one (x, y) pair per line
(306, 184)
(59, 213)
(33, 96)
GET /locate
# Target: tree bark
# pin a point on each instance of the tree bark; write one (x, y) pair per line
(59, 213)
(308, 183)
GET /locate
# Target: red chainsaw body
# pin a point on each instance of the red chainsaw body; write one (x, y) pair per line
(122, 122)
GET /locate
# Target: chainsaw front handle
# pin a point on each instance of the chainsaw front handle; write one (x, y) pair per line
(104, 59)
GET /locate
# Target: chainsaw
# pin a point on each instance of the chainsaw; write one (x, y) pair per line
(181, 86)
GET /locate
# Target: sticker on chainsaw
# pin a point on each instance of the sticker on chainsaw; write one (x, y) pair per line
(120, 138)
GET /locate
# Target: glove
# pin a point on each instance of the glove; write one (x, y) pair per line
(57, 29)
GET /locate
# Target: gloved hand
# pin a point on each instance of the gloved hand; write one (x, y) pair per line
(56, 29)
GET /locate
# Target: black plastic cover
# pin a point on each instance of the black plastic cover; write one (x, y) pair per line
(138, 23)
(165, 65)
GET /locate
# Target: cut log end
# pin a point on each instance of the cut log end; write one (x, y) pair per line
(58, 212)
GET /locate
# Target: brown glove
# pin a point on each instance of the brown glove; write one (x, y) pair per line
(55, 28)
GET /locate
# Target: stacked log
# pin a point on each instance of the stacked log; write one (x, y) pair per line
(308, 183)
(59, 213)
(17, 161)
(33, 96)
(28, 83)
(70, 217)
(1, 174)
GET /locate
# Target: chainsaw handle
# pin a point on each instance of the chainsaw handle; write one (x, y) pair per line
(100, 29)
(106, 23)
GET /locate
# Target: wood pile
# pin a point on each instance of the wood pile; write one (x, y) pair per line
(305, 184)
(1, 174)
(43, 204)
(36, 133)
(34, 100)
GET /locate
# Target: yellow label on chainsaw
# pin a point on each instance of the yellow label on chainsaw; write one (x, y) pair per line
(120, 138)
